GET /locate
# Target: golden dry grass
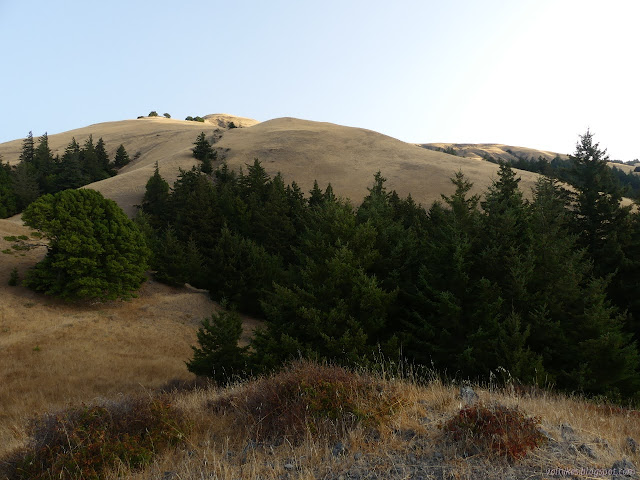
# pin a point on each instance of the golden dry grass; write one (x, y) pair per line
(302, 150)
(54, 353)
(408, 442)
(495, 150)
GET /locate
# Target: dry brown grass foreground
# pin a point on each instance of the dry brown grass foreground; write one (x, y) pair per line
(315, 421)
(53, 353)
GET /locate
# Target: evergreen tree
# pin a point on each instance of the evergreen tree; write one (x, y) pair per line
(316, 195)
(44, 165)
(169, 259)
(103, 159)
(122, 157)
(28, 149)
(240, 271)
(599, 215)
(218, 355)
(156, 199)
(8, 200)
(25, 185)
(69, 171)
(94, 250)
(203, 149)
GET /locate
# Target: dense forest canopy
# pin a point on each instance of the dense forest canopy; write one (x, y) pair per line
(546, 289)
(39, 172)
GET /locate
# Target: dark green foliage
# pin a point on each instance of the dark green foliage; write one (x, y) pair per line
(14, 277)
(219, 356)
(8, 199)
(156, 198)
(94, 250)
(122, 157)
(28, 149)
(39, 172)
(463, 289)
(231, 125)
(85, 442)
(25, 185)
(243, 271)
(166, 115)
(203, 150)
(194, 119)
(153, 113)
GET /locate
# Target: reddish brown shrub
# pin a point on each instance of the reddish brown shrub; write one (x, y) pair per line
(307, 397)
(85, 441)
(497, 430)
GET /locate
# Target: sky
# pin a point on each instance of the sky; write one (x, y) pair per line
(530, 73)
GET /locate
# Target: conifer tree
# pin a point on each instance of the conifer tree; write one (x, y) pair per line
(44, 165)
(28, 149)
(122, 157)
(8, 201)
(94, 250)
(218, 355)
(156, 199)
(103, 158)
(25, 185)
(203, 149)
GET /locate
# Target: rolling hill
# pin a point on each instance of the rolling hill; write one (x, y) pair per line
(301, 150)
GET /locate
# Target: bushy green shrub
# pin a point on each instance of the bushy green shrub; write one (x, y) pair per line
(153, 114)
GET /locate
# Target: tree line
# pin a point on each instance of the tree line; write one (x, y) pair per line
(562, 169)
(546, 289)
(39, 172)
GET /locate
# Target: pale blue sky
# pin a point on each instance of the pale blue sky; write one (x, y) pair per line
(533, 73)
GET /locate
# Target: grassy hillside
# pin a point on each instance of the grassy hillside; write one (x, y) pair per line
(495, 150)
(308, 422)
(302, 150)
(312, 421)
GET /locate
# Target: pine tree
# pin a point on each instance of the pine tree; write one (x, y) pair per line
(156, 199)
(203, 149)
(316, 195)
(26, 156)
(218, 355)
(25, 185)
(8, 200)
(122, 157)
(44, 165)
(103, 158)
(94, 250)
(599, 215)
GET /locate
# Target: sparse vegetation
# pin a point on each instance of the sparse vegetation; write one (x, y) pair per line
(494, 430)
(84, 442)
(166, 115)
(153, 113)
(14, 277)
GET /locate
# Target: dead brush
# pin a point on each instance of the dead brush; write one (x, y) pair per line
(308, 398)
(84, 442)
(494, 430)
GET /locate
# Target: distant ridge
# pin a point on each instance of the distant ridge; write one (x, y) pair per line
(302, 150)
